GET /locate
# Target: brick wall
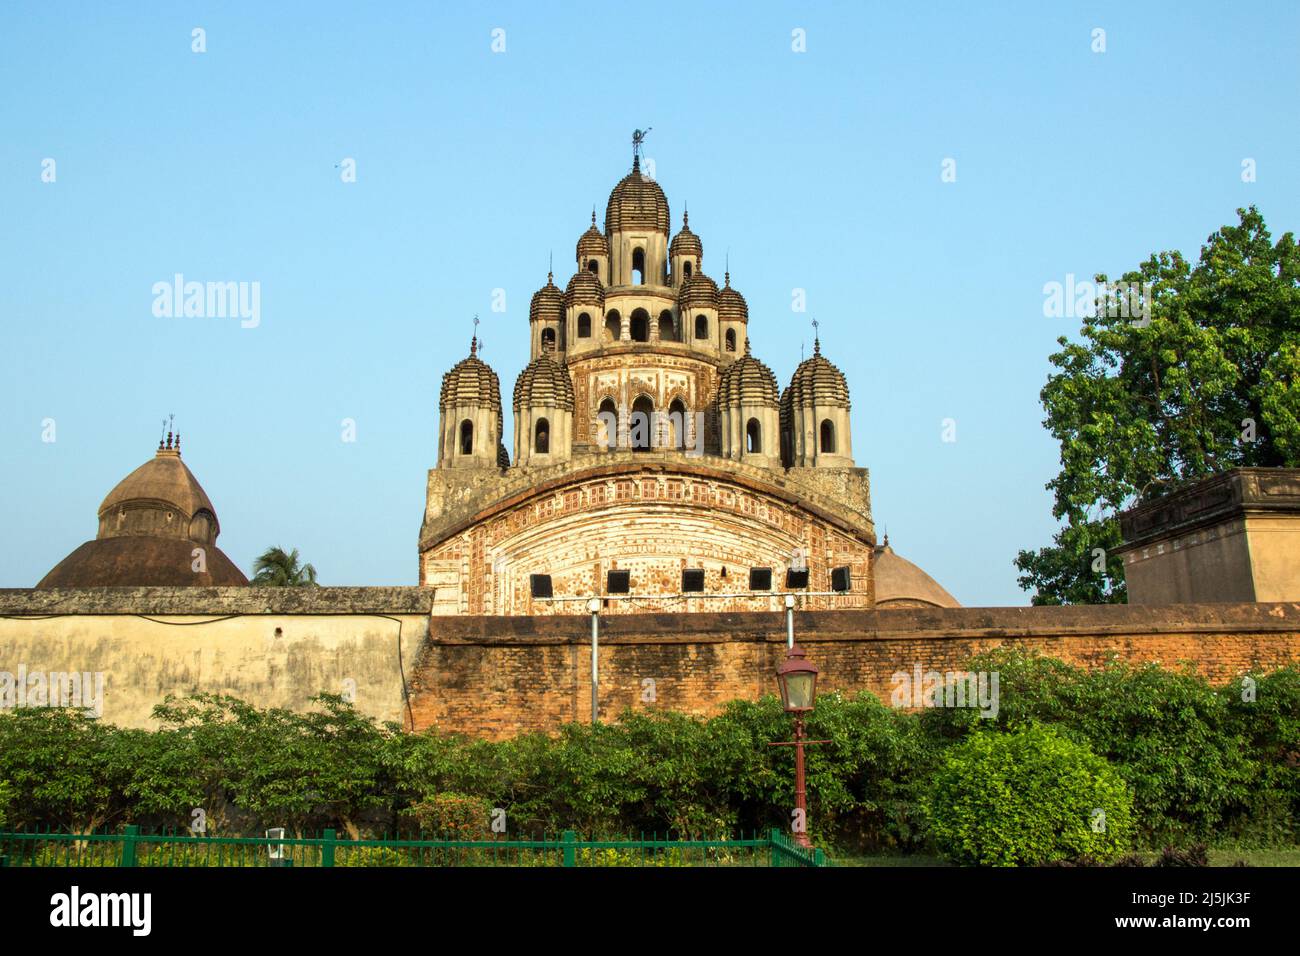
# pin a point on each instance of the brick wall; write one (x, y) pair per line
(494, 677)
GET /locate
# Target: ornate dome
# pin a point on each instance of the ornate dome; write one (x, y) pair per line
(150, 526)
(547, 302)
(637, 202)
(731, 304)
(817, 382)
(471, 382)
(900, 583)
(592, 243)
(544, 383)
(686, 243)
(747, 381)
(698, 290)
(584, 289)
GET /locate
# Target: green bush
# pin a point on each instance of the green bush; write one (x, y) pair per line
(1027, 797)
(1198, 765)
(451, 816)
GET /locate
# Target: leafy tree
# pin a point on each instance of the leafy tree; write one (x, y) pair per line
(1208, 380)
(63, 768)
(277, 568)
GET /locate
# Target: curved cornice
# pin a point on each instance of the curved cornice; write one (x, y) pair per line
(785, 487)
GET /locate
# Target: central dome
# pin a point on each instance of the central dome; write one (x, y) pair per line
(637, 202)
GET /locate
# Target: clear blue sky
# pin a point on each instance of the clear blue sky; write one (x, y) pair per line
(818, 170)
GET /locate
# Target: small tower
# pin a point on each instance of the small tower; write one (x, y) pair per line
(593, 252)
(546, 319)
(543, 404)
(749, 412)
(584, 308)
(470, 406)
(733, 320)
(697, 309)
(686, 252)
(815, 415)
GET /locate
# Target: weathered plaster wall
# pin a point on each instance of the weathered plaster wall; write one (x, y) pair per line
(151, 642)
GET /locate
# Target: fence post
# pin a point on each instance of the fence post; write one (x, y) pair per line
(327, 849)
(570, 845)
(771, 843)
(129, 836)
(819, 858)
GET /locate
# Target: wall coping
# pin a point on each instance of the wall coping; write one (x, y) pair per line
(38, 602)
(866, 625)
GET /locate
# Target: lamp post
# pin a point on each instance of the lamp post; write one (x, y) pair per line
(797, 679)
(594, 607)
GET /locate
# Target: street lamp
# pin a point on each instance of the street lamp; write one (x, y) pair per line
(797, 678)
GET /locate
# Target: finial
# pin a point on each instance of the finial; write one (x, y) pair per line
(473, 343)
(686, 217)
(638, 140)
(817, 341)
(746, 344)
(550, 265)
(593, 215)
(178, 443)
(162, 434)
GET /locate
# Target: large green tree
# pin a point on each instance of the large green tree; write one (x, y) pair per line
(278, 568)
(1205, 379)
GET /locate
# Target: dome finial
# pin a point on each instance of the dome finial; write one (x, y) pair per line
(817, 341)
(473, 343)
(638, 140)
(593, 215)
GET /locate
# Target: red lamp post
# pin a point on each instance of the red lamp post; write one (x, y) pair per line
(797, 679)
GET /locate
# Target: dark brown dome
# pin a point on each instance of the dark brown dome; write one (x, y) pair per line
(592, 243)
(731, 304)
(686, 243)
(163, 479)
(747, 381)
(637, 202)
(698, 291)
(142, 561)
(150, 526)
(584, 289)
(547, 303)
(817, 382)
(471, 382)
(544, 383)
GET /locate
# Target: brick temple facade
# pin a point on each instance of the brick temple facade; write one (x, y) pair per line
(649, 439)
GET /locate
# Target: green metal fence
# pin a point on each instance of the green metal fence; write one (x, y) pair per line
(133, 848)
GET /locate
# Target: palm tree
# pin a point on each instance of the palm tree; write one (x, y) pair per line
(276, 568)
